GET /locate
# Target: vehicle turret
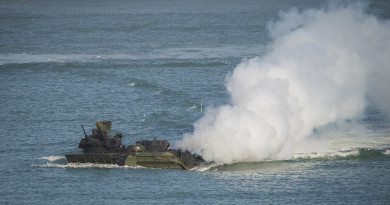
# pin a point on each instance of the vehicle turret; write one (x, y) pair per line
(100, 141)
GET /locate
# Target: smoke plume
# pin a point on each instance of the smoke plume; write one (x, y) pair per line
(324, 66)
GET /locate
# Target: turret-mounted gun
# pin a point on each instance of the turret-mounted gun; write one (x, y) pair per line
(85, 134)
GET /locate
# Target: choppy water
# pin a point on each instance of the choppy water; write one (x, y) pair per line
(148, 66)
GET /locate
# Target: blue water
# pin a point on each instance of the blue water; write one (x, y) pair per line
(148, 66)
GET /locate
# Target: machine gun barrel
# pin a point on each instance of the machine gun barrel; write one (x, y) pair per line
(84, 131)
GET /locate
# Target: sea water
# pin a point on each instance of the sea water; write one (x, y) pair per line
(154, 68)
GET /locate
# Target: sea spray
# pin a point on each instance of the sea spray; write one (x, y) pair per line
(324, 66)
(53, 158)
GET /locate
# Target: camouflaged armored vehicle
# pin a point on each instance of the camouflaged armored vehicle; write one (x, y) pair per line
(101, 148)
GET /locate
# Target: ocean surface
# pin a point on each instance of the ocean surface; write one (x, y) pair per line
(154, 68)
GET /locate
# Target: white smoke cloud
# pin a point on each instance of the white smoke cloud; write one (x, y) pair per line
(324, 66)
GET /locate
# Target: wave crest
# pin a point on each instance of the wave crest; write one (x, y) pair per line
(362, 153)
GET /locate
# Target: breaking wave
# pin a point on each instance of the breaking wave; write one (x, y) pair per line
(298, 159)
(361, 153)
(205, 167)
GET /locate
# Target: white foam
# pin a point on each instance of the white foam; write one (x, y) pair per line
(204, 167)
(158, 92)
(326, 155)
(387, 152)
(52, 158)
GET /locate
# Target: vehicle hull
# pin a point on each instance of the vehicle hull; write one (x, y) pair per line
(101, 148)
(162, 160)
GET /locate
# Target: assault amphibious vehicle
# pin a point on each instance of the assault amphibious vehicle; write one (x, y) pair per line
(101, 148)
